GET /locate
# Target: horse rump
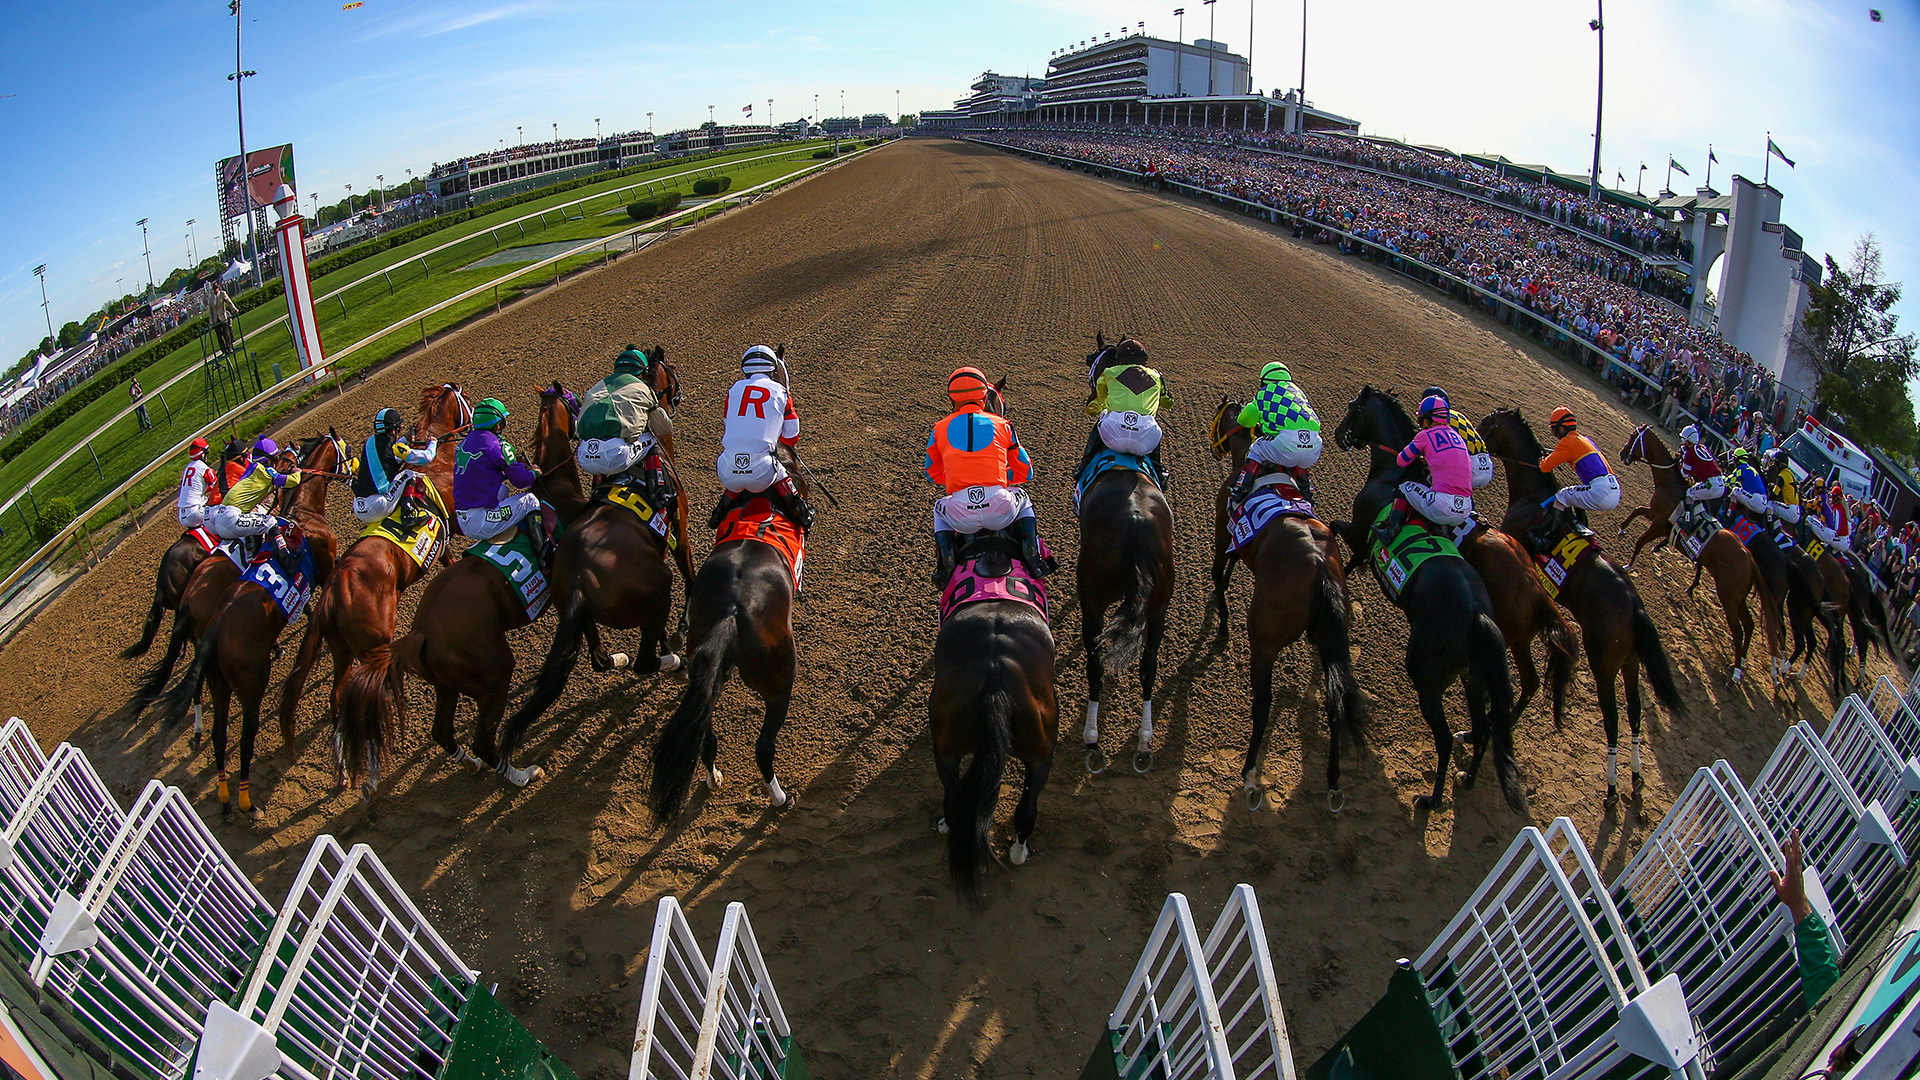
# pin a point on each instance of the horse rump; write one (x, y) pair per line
(691, 724)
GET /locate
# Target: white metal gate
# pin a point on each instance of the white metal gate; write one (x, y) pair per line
(1876, 768)
(55, 842)
(21, 763)
(700, 1020)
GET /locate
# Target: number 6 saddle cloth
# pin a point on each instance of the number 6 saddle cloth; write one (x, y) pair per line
(514, 555)
(1395, 564)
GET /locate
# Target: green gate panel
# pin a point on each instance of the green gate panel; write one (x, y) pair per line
(1397, 1039)
(491, 1044)
(1104, 1062)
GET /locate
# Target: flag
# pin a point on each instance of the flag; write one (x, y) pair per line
(1774, 149)
(1676, 166)
(1619, 180)
(1710, 158)
(747, 110)
(350, 7)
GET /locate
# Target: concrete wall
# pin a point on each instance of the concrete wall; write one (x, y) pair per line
(1230, 73)
(1761, 294)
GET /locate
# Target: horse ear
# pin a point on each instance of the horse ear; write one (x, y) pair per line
(1099, 339)
(1001, 386)
(780, 351)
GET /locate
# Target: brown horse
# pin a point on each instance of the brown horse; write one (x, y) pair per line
(235, 654)
(1736, 575)
(458, 640)
(610, 569)
(1297, 590)
(354, 615)
(1126, 558)
(169, 584)
(1619, 634)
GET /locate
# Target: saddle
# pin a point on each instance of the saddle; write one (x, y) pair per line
(1395, 563)
(1246, 520)
(1107, 459)
(989, 568)
(203, 536)
(1693, 527)
(759, 520)
(419, 533)
(656, 516)
(515, 557)
(290, 587)
(1554, 561)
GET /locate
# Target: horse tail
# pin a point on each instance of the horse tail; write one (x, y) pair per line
(1769, 606)
(1655, 662)
(173, 707)
(691, 724)
(969, 812)
(1332, 639)
(569, 631)
(151, 628)
(1120, 642)
(1562, 656)
(365, 719)
(1487, 667)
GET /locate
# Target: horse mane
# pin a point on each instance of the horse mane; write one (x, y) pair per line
(430, 396)
(1528, 440)
(1392, 403)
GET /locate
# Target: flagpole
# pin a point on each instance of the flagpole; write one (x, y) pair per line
(1709, 184)
(1668, 186)
(1766, 169)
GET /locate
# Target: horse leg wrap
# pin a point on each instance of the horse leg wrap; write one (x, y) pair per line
(774, 794)
(1146, 726)
(246, 799)
(220, 787)
(1092, 732)
(1636, 754)
(1613, 767)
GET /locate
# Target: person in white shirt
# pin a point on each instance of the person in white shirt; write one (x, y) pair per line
(760, 418)
(197, 484)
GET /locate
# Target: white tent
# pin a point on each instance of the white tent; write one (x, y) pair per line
(31, 380)
(240, 268)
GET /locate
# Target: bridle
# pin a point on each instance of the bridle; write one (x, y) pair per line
(1220, 432)
(1636, 451)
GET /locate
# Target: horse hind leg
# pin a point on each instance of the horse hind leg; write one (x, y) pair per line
(763, 749)
(1149, 672)
(1433, 709)
(1630, 674)
(1610, 722)
(1252, 782)
(1028, 812)
(1092, 622)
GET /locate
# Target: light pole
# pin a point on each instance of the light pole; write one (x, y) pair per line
(770, 122)
(315, 200)
(41, 273)
(709, 117)
(649, 123)
(1208, 4)
(349, 188)
(1300, 113)
(239, 76)
(1179, 50)
(382, 189)
(520, 134)
(1599, 90)
(1249, 46)
(146, 251)
(556, 133)
(193, 246)
(843, 104)
(596, 129)
(896, 106)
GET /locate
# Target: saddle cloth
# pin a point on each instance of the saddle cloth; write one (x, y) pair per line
(1574, 547)
(1245, 521)
(631, 496)
(421, 542)
(757, 520)
(514, 556)
(203, 536)
(971, 584)
(1108, 459)
(1811, 541)
(1693, 527)
(1395, 564)
(290, 592)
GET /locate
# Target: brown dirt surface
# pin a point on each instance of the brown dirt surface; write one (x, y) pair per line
(882, 276)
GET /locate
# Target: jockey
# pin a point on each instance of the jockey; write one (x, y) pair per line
(1829, 518)
(385, 480)
(1598, 489)
(1126, 398)
(1699, 468)
(238, 459)
(1286, 432)
(1782, 496)
(976, 456)
(760, 418)
(247, 509)
(1750, 488)
(1449, 502)
(198, 488)
(1476, 446)
(623, 425)
(482, 472)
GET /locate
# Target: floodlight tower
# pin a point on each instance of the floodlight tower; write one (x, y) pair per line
(1180, 50)
(146, 251)
(239, 76)
(193, 246)
(41, 273)
(1210, 46)
(1600, 85)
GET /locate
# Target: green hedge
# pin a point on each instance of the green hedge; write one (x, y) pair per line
(653, 206)
(712, 185)
(57, 514)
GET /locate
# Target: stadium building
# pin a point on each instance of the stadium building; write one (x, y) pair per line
(513, 170)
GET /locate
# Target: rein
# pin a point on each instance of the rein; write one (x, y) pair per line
(1637, 451)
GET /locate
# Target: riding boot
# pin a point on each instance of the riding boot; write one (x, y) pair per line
(947, 546)
(281, 552)
(1243, 481)
(1387, 529)
(536, 529)
(728, 501)
(1548, 527)
(1303, 482)
(1160, 467)
(1094, 446)
(786, 498)
(1026, 530)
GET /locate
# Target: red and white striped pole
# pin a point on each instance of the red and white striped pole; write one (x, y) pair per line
(291, 239)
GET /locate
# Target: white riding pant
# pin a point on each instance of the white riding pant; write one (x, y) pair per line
(482, 524)
(612, 457)
(1788, 514)
(1755, 503)
(1293, 449)
(1602, 494)
(749, 472)
(192, 517)
(1437, 507)
(1130, 432)
(981, 509)
(1825, 534)
(1713, 487)
(1482, 470)
(229, 523)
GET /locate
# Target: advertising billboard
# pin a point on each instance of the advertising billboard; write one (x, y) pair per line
(266, 170)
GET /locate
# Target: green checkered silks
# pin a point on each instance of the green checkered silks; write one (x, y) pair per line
(1279, 407)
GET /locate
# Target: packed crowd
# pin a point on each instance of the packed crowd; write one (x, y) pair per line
(103, 354)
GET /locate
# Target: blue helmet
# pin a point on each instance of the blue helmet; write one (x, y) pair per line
(1433, 409)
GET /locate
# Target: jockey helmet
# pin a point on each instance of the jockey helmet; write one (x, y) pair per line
(1690, 434)
(1836, 488)
(1275, 372)
(1129, 351)
(1740, 453)
(266, 447)
(489, 413)
(1434, 391)
(759, 360)
(1562, 417)
(386, 421)
(1433, 409)
(967, 386)
(631, 361)
(196, 448)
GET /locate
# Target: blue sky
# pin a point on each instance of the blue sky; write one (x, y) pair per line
(116, 111)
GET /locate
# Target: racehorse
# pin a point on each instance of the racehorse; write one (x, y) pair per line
(740, 609)
(236, 651)
(992, 697)
(1521, 608)
(169, 583)
(1736, 573)
(1619, 634)
(1297, 589)
(1851, 587)
(610, 569)
(1126, 558)
(354, 615)
(458, 640)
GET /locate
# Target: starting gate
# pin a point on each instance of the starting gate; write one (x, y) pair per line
(56, 841)
(21, 763)
(1898, 714)
(721, 1020)
(1876, 768)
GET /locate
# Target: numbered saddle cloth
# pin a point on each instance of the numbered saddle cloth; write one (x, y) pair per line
(1109, 458)
(756, 519)
(1568, 552)
(290, 591)
(1693, 527)
(635, 498)
(1810, 540)
(1245, 520)
(421, 541)
(1395, 564)
(514, 556)
(981, 579)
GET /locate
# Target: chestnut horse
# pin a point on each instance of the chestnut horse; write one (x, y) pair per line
(1736, 574)
(1297, 590)
(1619, 634)
(610, 569)
(354, 615)
(235, 654)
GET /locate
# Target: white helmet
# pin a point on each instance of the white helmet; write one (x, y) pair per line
(1690, 433)
(759, 360)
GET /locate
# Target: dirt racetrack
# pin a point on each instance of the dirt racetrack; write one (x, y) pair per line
(882, 276)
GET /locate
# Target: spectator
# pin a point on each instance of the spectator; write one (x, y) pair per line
(139, 410)
(1818, 968)
(221, 311)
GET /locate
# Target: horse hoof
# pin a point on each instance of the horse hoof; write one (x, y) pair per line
(940, 825)
(519, 777)
(1256, 798)
(713, 779)
(777, 796)
(1096, 761)
(1426, 802)
(255, 816)
(1613, 798)
(194, 743)
(226, 813)
(1018, 853)
(1737, 674)
(1142, 762)
(670, 662)
(619, 661)
(1336, 800)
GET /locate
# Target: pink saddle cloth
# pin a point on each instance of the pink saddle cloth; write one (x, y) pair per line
(970, 586)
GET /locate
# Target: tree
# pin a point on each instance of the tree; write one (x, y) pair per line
(1861, 362)
(909, 119)
(70, 335)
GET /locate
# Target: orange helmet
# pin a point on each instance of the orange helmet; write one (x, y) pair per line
(1562, 417)
(968, 386)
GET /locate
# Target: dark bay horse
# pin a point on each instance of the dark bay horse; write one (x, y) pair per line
(1521, 608)
(609, 569)
(354, 616)
(458, 640)
(1126, 558)
(1619, 635)
(1736, 574)
(740, 612)
(1297, 590)
(235, 654)
(169, 585)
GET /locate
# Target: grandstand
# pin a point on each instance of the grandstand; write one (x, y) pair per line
(484, 177)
